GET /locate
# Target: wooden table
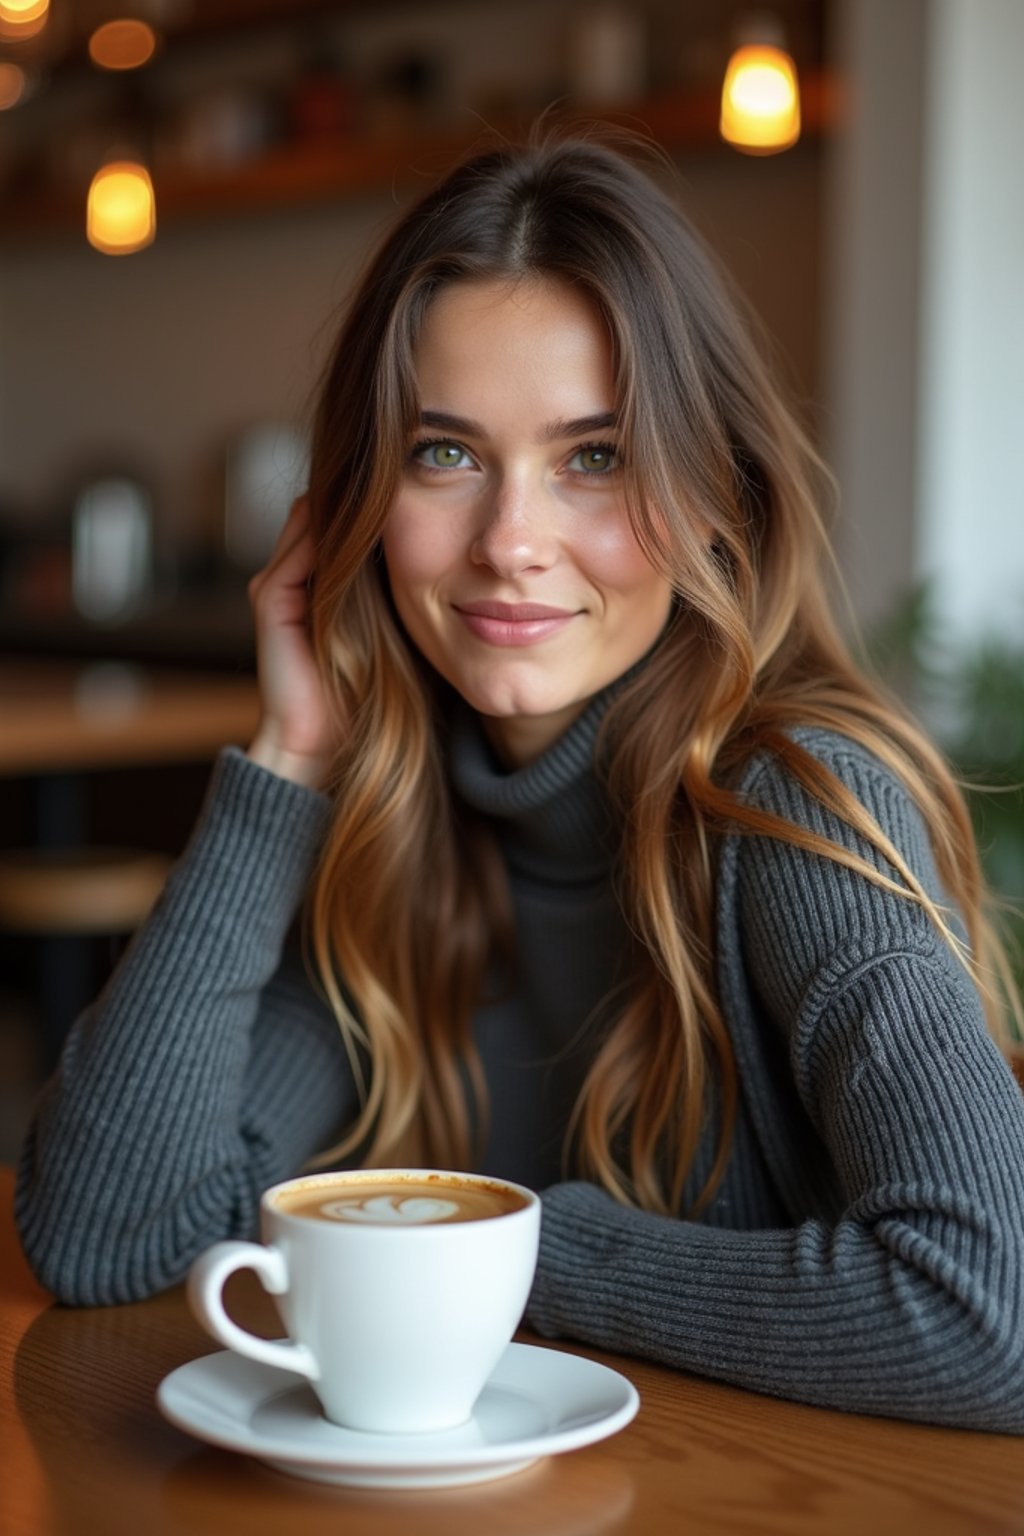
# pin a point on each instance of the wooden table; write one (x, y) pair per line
(85, 1452)
(65, 718)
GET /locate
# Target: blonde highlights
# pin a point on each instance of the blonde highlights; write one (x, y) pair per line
(409, 910)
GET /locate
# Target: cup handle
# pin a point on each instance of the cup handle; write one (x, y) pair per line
(206, 1281)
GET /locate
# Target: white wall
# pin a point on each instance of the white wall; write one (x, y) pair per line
(873, 206)
(925, 314)
(970, 524)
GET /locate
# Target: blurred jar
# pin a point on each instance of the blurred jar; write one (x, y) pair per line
(322, 100)
(608, 54)
(266, 466)
(111, 549)
(219, 129)
(408, 93)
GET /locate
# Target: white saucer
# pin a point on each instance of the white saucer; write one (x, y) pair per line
(537, 1403)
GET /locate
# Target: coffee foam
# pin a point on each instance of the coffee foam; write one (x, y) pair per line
(389, 1209)
(365, 1200)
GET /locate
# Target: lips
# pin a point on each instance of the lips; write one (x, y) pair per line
(513, 623)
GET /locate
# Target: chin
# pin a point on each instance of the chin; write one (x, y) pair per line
(503, 703)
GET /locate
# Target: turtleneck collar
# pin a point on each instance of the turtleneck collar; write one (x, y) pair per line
(551, 817)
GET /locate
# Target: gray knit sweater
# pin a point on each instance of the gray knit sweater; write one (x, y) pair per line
(864, 1251)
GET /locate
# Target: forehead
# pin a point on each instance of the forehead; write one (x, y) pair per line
(528, 339)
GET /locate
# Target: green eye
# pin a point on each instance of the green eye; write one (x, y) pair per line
(595, 460)
(441, 455)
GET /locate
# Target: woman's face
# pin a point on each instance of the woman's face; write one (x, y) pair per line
(511, 558)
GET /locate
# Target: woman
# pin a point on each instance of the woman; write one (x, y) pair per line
(622, 880)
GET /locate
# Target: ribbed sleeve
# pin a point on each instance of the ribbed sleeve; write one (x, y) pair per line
(206, 1070)
(899, 1152)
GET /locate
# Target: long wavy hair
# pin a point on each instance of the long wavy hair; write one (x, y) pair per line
(409, 906)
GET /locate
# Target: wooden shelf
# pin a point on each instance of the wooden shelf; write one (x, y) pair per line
(204, 627)
(309, 174)
(62, 46)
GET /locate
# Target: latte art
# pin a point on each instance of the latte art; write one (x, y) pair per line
(391, 1210)
(368, 1200)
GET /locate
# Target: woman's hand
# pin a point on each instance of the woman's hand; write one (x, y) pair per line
(296, 734)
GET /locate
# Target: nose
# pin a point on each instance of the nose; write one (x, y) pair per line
(517, 528)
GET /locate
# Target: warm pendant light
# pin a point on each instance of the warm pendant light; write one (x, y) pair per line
(13, 85)
(22, 18)
(760, 99)
(124, 44)
(121, 212)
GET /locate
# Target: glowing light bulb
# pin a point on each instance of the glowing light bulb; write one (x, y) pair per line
(17, 11)
(124, 44)
(21, 19)
(121, 210)
(760, 100)
(13, 85)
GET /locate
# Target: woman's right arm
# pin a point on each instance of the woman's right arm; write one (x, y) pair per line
(208, 1068)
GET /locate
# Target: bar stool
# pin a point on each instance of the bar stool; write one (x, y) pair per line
(65, 898)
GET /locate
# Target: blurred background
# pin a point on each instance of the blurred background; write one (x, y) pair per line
(188, 189)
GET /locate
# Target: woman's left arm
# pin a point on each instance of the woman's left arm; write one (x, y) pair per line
(910, 1301)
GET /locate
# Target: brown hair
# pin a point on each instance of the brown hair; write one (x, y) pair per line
(409, 901)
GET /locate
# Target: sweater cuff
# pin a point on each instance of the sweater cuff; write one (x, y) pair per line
(582, 1230)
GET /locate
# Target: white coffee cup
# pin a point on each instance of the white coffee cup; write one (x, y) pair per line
(399, 1289)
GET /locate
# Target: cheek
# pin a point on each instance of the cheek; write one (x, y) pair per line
(421, 544)
(412, 550)
(615, 561)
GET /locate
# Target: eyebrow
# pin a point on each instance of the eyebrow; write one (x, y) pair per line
(578, 426)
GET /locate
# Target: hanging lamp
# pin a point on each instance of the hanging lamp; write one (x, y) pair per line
(121, 209)
(761, 93)
(22, 19)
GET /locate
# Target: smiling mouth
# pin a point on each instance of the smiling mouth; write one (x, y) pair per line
(513, 623)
